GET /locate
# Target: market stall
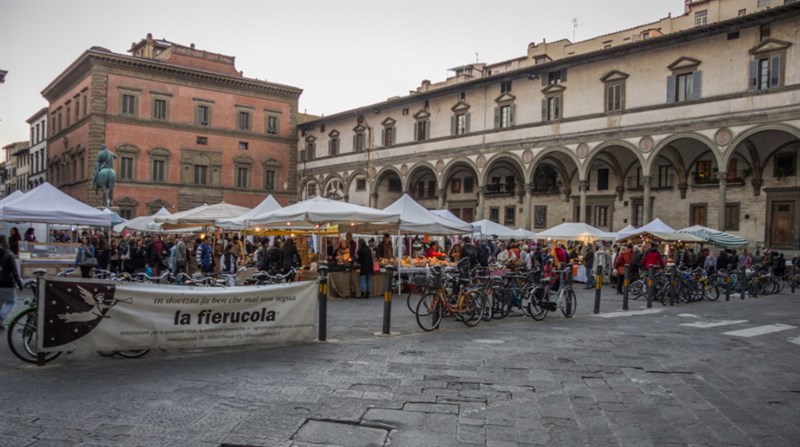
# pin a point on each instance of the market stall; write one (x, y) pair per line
(715, 237)
(577, 231)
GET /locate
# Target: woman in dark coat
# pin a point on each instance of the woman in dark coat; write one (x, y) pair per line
(290, 257)
(138, 257)
(365, 261)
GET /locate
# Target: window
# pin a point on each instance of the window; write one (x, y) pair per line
(395, 185)
(311, 148)
(244, 145)
(455, 186)
(551, 108)
(160, 109)
(269, 180)
(602, 179)
(601, 216)
(638, 214)
(431, 188)
(272, 124)
(766, 72)
(333, 144)
(698, 213)
(469, 184)
(69, 112)
(686, 81)
(763, 3)
(77, 107)
(614, 101)
(244, 121)
(700, 18)
(764, 31)
(388, 133)
(684, 84)
(510, 214)
(732, 216)
(742, 12)
(421, 131)
(703, 172)
(665, 176)
(242, 177)
(200, 175)
(358, 142)
(361, 184)
(128, 104)
(126, 168)
(506, 116)
(494, 214)
(84, 96)
(420, 189)
(785, 165)
(203, 115)
(159, 171)
(202, 141)
(405, 112)
(311, 190)
(540, 216)
(505, 87)
(556, 77)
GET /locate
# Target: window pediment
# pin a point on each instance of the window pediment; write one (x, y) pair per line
(243, 160)
(614, 75)
(768, 45)
(360, 129)
(126, 202)
(127, 149)
(388, 122)
(271, 163)
(159, 152)
(311, 139)
(460, 107)
(334, 134)
(158, 204)
(553, 88)
(683, 63)
(505, 97)
(422, 115)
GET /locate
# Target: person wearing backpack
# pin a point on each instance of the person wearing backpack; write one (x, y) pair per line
(227, 262)
(8, 277)
(179, 264)
(484, 253)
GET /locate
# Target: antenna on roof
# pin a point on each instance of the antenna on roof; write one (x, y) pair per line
(477, 59)
(575, 26)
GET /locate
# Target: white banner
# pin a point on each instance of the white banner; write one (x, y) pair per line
(91, 315)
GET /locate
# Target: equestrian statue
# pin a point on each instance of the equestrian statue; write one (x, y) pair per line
(104, 176)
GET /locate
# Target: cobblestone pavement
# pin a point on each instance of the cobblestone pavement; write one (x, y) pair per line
(702, 374)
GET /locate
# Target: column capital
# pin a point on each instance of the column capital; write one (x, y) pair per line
(583, 185)
(481, 190)
(646, 180)
(374, 195)
(722, 177)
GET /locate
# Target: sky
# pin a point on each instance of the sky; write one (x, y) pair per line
(343, 54)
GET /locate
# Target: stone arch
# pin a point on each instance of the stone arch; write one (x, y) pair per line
(744, 135)
(353, 175)
(702, 139)
(454, 164)
(329, 182)
(417, 172)
(509, 158)
(549, 152)
(304, 185)
(383, 198)
(614, 163)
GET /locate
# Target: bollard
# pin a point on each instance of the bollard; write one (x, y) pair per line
(755, 282)
(598, 288)
(569, 274)
(651, 290)
(387, 301)
(727, 286)
(743, 281)
(626, 281)
(672, 291)
(322, 298)
(793, 278)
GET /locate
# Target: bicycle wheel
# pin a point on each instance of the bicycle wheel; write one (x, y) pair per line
(570, 303)
(426, 301)
(487, 302)
(635, 289)
(410, 301)
(23, 339)
(535, 309)
(471, 309)
(133, 353)
(429, 315)
(710, 290)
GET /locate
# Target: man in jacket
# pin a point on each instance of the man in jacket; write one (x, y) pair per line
(652, 257)
(588, 263)
(8, 278)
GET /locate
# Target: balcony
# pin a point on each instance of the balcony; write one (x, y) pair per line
(706, 178)
(501, 189)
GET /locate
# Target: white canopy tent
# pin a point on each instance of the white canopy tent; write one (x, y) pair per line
(657, 226)
(449, 216)
(46, 204)
(526, 234)
(576, 231)
(415, 219)
(238, 223)
(321, 211)
(204, 215)
(715, 237)
(11, 197)
(484, 228)
(143, 223)
(630, 229)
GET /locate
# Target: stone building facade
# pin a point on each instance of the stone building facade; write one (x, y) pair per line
(16, 166)
(186, 126)
(37, 156)
(693, 119)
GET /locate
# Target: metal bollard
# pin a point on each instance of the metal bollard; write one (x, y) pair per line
(598, 288)
(322, 298)
(793, 278)
(672, 291)
(569, 274)
(387, 301)
(755, 282)
(626, 281)
(727, 286)
(651, 290)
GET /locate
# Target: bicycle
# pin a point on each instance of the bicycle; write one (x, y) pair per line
(464, 305)
(541, 297)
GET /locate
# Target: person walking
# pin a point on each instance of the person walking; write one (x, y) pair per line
(588, 265)
(290, 258)
(623, 258)
(8, 278)
(85, 259)
(365, 262)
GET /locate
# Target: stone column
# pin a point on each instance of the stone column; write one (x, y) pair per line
(723, 192)
(442, 192)
(527, 205)
(646, 211)
(373, 200)
(583, 186)
(481, 190)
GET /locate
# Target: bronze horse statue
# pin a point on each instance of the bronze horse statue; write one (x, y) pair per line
(105, 177)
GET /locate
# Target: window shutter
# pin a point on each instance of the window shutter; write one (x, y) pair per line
(497, 117)
(453, 125)
(544, 109)
(512, 114)
(303, 155)
(697, 85)
(775, 72)
(466, 124)
(564, 75)
(355, 148)
(330, 147)
(557, 112)
(383, 137)
(394, 135)
(753, 83)
(670, 89)
(197, 115)
(427, 130)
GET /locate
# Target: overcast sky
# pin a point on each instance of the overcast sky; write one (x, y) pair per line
(343, 54)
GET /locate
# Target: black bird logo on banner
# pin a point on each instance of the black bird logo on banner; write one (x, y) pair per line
(72, 311)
